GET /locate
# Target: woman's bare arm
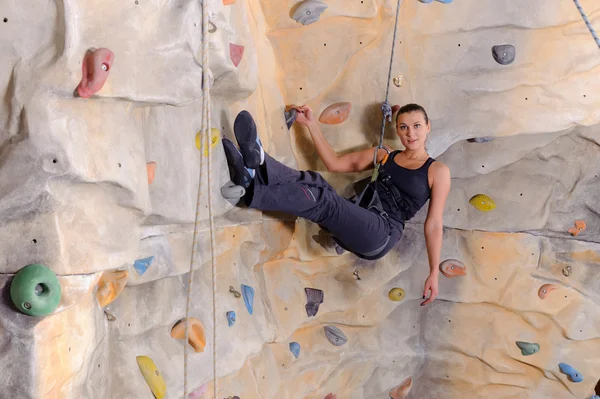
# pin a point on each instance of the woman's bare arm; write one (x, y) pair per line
(434, 226)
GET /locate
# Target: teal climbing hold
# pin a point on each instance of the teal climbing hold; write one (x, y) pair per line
(573, 374)
(230, 318)
(141, 265)
(295, 349)
(248, 294)
(528, 348)
(35, 290)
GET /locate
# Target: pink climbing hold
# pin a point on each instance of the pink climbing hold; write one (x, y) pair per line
(228, 2)
(94, 70)
(198, 392)
(235, 53)
(151, 169)
(546, 289)
(331, 396)
(401, 391)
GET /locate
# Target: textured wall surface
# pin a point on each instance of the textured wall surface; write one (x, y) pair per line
(75, 197)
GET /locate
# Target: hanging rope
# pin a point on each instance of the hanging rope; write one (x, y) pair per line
(587, 22)
(385, 107)
(206, 144)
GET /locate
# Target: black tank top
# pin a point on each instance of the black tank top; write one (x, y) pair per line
(411, 188)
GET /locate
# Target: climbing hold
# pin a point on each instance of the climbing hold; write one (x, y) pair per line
(396, 294)
(357, 274)
(290, 117)
(545, 290)
(151, 168)
(152, 376)
(232, 192)
(228, 2)
(94, 70)
(398, 82)
(215, 134)
(335, 113)
(453, 268)
(234, 292)
(35, 290)
(579, 227)
(567, 271)
(141, 265)
(441, 1)
(314, 298)
(401, 391)
(335, 335)
(196, 337)
(235, 53)
(504, 54)
(212, 28)
(309, 11)
(248, 294)
(480, 140)
(573, 374)
(198, 392)
(594, 397)
(110, 316)
(110, 286)
(230, 318)
(330, 396)
(295, 349)
(482, 202)
(528, 348)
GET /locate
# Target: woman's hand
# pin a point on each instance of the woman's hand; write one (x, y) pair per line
(431, 285)
(305, 115)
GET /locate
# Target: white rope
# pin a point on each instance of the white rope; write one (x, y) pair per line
(205, 144)
(587, 22)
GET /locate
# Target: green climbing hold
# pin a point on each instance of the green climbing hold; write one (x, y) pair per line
(35, 290)
(528, 348)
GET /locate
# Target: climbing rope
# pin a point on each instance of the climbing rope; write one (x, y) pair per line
(587, 22)
(206, 143)
(385, 107)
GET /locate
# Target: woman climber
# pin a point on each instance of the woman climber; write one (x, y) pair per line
(370, 225)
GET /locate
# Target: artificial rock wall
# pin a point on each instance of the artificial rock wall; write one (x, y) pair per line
(75, 196)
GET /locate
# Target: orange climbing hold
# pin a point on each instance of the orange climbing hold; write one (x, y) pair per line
(579, 227)
(110, 286)
(401, 391)
(95, 68)
(151, 168)
(335, 113)
(453, 268)
(196, 333)
(235, 53)
(546, 289)
(228, 2)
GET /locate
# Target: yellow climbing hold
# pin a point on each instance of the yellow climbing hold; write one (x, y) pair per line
(482, 202)
(152, 376)
(396, 294)
(215, 135)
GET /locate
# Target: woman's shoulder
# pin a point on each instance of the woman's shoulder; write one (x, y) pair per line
(440, 170)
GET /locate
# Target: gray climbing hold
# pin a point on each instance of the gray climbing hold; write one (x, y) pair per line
(295, 349)
(232, 192)
(314, 298)
(480, 139)
(335, 335)
(290, 117)
(528, 348)
(309, 11)
(504, 54)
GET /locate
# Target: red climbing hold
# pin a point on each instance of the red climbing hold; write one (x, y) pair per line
(94, 69)
(235, 53)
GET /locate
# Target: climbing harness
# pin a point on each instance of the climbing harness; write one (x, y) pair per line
(587, 22)
(205, 133)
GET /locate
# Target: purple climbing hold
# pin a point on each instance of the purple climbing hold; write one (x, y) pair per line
(290, 117)
(314, 298)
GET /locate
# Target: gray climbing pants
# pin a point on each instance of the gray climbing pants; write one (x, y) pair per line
(366, 233)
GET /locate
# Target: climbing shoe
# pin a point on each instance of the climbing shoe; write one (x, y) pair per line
(239, 174)
(247, 138)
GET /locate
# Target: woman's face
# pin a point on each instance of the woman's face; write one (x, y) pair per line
(412, 130)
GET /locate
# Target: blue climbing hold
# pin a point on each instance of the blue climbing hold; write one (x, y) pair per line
(141, 265)
(573, 374)
(594, 397)
(230, 318)
(295, 349)
(248, 294)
